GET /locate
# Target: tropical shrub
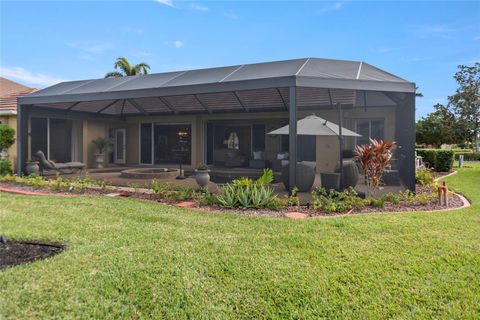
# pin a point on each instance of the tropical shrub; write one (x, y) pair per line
(335, 201)
(244, 193)
(425, 178)
(5, 167)
(7, 137)
(374, 158)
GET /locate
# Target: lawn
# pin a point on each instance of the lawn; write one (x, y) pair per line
(135, 259)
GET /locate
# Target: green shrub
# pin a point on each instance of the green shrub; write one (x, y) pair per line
(254, 196)
(5, 167)
(206, 198)
(244, 193)
(7, 137)
(468, 156)
(182, 193)
(33, 180)
(162, 189)
(438, 159)
(59, 184)
(428, 156)
(444, 160)
(334, 201)
(425, 178)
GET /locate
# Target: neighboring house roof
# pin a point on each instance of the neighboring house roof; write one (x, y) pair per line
(10, 91)
(306, 72)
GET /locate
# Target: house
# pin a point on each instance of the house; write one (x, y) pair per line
(221, 117)
(10, 91)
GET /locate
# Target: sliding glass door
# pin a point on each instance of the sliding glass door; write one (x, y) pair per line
(165, 143)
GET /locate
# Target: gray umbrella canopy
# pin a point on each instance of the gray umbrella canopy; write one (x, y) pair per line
(316, 126)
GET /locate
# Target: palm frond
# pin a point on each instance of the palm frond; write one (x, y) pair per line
(123, 64)
(141, 68)
(114, 74)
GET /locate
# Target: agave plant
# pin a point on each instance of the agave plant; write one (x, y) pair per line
(374, 158)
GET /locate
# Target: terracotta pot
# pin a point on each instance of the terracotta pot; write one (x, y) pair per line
(202, 177)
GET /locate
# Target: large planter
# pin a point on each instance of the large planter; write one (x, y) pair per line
(32, 167)
(202, 177)
(305, 177)
(99, 159)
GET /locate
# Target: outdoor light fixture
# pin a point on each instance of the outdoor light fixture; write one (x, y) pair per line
(181, 150)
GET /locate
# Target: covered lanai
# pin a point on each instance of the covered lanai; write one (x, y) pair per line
(211, 104)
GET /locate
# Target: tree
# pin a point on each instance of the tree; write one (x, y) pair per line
(438, 127)
(465, 103)
(126, 69)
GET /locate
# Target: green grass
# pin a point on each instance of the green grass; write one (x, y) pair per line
(136, 259)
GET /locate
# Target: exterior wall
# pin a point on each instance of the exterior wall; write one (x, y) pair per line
(198, 122)
(92, 129)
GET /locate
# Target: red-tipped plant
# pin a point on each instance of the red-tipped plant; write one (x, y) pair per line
(374, 158)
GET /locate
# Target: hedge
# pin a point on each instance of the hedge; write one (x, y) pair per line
(438, 159)
(468, 156)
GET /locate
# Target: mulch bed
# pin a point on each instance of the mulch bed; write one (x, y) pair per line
(454, 202)
(13, 253)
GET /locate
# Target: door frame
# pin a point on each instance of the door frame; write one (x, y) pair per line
(115, 158)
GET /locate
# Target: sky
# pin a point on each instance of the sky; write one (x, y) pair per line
(46, 42)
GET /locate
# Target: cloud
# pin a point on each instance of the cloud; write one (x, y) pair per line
(90, 48)
(333, 7)
(21, 74)
(428, 31)
(166, 2)
(178, 44)
(231, 15)
(131, 30)
(198, 7)
(141, 54)
(384, 49)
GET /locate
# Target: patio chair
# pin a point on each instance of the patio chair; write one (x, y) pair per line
(46, 165)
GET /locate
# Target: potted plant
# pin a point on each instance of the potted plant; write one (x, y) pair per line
(202, 175)
(103, 146)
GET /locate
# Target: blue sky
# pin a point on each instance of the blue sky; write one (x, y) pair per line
(46, 42)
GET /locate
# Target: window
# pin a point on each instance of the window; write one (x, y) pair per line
(369, 129)
(53, 137)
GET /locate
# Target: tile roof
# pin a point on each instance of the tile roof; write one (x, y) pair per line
(9, 93)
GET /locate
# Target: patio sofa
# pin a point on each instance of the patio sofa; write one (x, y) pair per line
(47, 165)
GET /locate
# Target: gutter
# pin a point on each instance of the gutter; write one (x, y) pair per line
(8, 112)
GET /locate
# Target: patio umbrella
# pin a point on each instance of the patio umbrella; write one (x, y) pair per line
(316, 126)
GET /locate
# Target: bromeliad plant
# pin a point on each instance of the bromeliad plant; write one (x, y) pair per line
(374, 158)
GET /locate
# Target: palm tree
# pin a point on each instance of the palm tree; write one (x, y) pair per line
(127, 69)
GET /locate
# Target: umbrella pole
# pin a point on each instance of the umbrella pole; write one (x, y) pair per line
(340, 141)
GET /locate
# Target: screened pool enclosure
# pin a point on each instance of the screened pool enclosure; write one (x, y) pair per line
(222, 117)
